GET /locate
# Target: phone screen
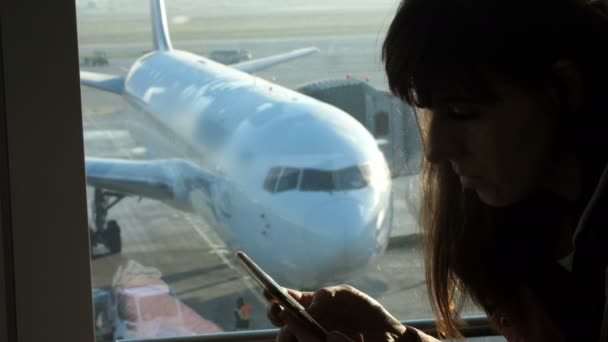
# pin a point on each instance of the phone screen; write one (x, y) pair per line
(280, 294)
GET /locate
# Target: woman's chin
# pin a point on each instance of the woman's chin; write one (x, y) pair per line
(495, 198)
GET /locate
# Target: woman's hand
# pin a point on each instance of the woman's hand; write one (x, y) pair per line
(348, 314)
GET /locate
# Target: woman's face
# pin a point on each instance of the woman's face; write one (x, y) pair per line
(501, 150)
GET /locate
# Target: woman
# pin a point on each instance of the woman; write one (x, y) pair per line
(509, 97)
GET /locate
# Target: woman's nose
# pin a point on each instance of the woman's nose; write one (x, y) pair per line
(443, 141)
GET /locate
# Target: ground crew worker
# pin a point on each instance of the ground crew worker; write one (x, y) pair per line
(242, 314)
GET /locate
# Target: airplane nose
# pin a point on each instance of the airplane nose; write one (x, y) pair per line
(344, 235)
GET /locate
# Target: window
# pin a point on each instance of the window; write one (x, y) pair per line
(381, 124)
(282, 179)
(271, 180)
(162, 244)
(185, 107)
(350, 178)
(59, 259)
(317, 180)
(355, 177)
(289, 179)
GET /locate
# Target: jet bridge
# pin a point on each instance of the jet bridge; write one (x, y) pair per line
(389, 119)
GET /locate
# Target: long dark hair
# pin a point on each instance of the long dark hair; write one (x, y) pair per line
(435, 45)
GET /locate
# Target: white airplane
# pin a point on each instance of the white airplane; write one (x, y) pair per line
(297, 184)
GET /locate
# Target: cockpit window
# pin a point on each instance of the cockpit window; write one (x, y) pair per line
(288, 180)
(282, 179)
(354, 177)
(271, 180)
(317, 180)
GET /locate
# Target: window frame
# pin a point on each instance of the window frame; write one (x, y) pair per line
(475, 326)
(43, 186)
(7, 303)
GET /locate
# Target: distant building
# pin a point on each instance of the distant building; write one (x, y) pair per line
(389, 119)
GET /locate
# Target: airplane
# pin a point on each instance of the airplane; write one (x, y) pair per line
(297, 184)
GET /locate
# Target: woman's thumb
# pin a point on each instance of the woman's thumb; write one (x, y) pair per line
(336, 336)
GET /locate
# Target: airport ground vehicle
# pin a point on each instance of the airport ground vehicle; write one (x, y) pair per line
(105, 314)
(230, 56)
(99, 58)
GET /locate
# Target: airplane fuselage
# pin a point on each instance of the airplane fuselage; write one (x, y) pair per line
(300, 186)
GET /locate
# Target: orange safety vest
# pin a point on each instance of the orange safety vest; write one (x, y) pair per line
(245, 311)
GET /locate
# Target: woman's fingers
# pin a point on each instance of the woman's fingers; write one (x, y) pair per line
(285, 335)
(272, 312)
(269, 297)
(303, 298)
(273, 309)
(298, 328)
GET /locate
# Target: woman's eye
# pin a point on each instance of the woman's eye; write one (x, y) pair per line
(463, 113)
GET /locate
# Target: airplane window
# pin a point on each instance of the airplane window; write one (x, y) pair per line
(355, 177)
(271, 180)
(381, 124)
(289, 179)
(164, 224)
(317, 180)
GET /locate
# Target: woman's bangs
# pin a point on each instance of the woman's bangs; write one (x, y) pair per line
(425, 62)
(438, 78)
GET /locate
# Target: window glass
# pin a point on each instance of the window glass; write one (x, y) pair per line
(381, 124)
(186, 148)
(317, 180)
(271, 180)
(355, 177)
(289, 179)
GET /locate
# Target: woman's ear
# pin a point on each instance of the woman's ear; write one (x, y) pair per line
(569, 85)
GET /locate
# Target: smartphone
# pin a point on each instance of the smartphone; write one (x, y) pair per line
(280, 294)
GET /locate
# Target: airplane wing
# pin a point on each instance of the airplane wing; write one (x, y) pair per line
(112, 83)
(168, 180)
(267, 62)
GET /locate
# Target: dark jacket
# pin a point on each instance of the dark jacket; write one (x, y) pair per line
(584, 313)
